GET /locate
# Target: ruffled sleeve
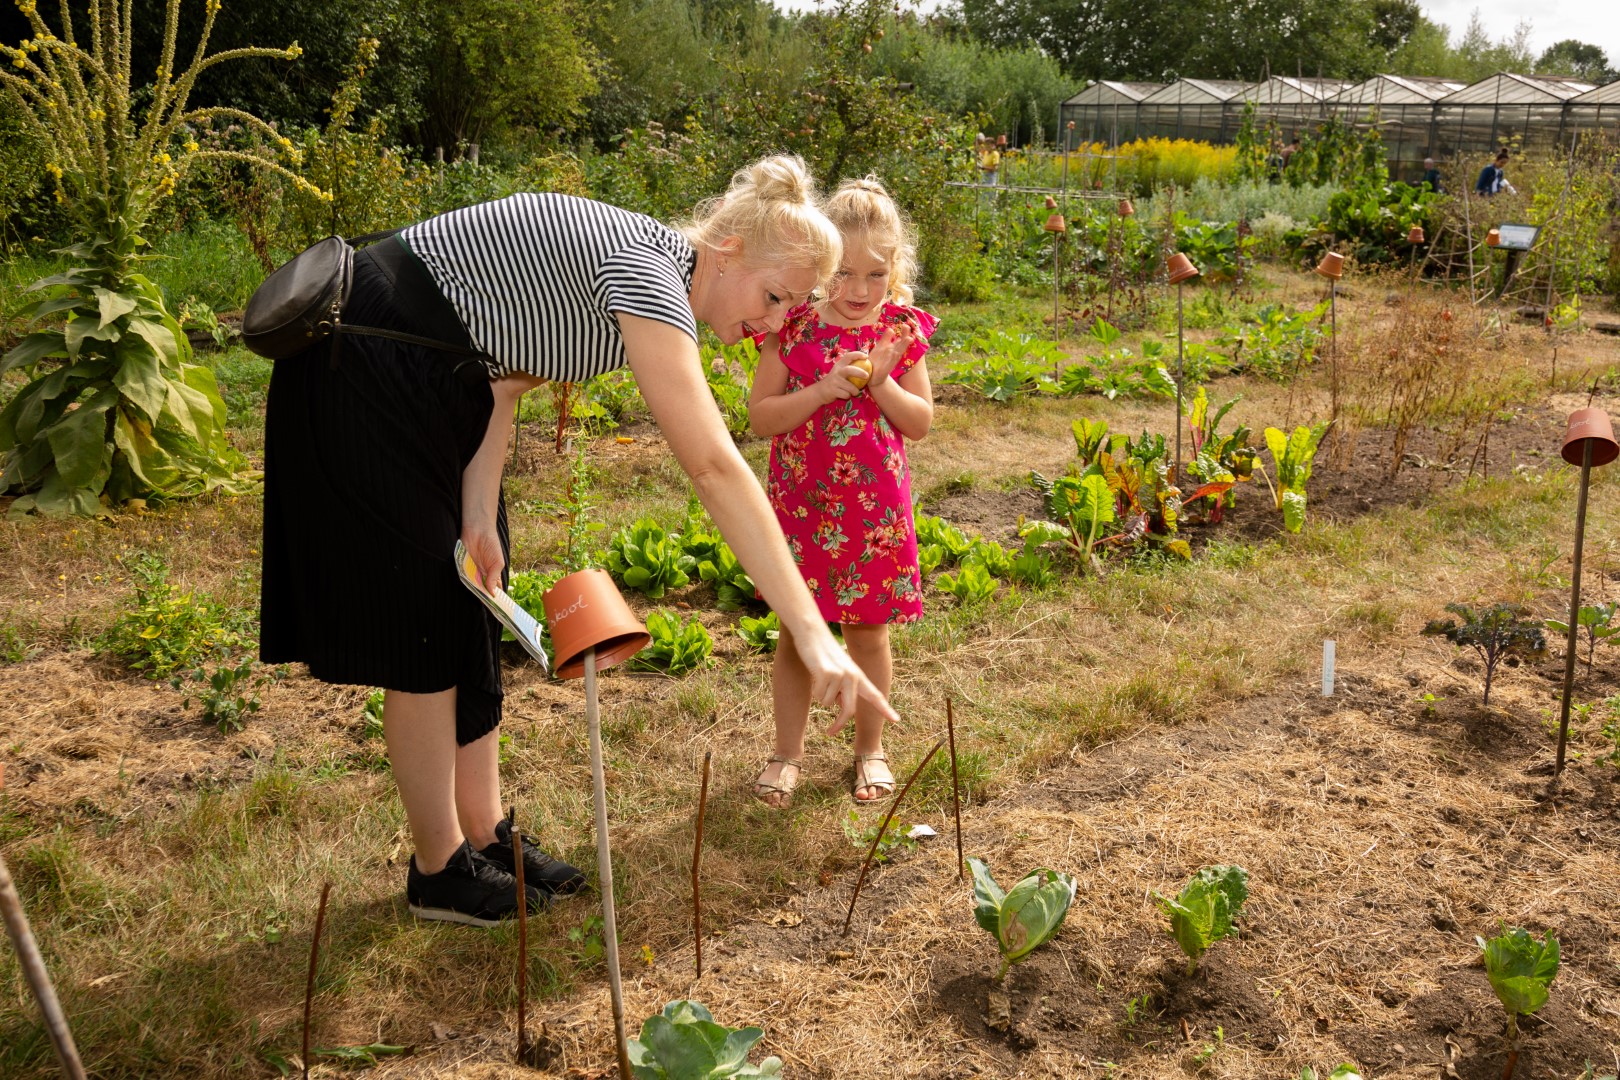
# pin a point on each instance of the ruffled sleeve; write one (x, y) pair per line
(925, 323)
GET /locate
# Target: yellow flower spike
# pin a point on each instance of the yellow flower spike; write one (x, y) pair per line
(191, 146)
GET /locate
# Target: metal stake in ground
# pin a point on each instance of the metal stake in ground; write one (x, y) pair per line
(956, 791)
(1589, 439)
(309, 982)
(856, 895)
(1057, 227)
(33, 966)
(697, 859)
(604, 864)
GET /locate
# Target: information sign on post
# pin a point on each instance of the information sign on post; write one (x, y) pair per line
(1517, 237)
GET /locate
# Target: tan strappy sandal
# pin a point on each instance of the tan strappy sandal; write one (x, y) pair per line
(885, 787)
(781, 786)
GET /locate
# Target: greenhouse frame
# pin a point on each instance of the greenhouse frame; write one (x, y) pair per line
(1418, 116)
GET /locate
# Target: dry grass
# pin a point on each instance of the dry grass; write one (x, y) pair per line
(159, 858)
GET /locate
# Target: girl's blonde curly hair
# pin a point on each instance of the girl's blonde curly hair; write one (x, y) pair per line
(866, 215)
(773, 207)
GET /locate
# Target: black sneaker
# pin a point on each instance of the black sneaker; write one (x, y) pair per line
(539, 869)
(470, 889)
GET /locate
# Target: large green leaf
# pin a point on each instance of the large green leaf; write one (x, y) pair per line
(1293, 507)
(1202, 914)
(79, 443)
(75, 332)
(1027, 915)
(154, 466)
(34, 348)
(157, 335)
(113, 305)
(140, 378)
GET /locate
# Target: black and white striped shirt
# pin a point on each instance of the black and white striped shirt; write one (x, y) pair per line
(537, 279)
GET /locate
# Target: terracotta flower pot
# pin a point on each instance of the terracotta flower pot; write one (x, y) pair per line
(1415, 237)
(1056, 224)
(1051, 203)
(1180, 268)
(1493, 238)
(1590, 424)
(1001, 140)
(1126, 209)
(585, 610)
(1331, 266)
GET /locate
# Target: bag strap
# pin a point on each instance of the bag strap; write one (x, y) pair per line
(400, 335)
(373, 237)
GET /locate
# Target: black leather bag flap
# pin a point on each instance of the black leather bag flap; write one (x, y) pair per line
(300, 303)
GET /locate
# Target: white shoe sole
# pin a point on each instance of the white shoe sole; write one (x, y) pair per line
(433, 914)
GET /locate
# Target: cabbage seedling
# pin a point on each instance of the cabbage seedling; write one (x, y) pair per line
(684, 1043)
(1520, 969)
(1026, 916)
(1203, 913)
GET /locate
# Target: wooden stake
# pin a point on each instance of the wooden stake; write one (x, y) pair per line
(883, 828)
(1570, 644)
(39, 980)
(523, 934)
(604, 864)
(697, 858)
(956, 792)
(309, 983)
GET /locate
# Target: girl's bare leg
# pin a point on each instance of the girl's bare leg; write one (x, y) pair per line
(869, 648)
(790, 705)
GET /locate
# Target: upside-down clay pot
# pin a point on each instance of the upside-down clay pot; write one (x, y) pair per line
(1331, 266)
(1180, 268)
(1126, 209)
(1055, 224)
(1051, 203)
(1590, 425)
(1415, 237)
(584, 610)
(1493, 238)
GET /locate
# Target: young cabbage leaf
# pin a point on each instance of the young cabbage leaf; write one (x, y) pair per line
(1203, 913)
(684, 1043)
(1520, 969)
(1026, 916)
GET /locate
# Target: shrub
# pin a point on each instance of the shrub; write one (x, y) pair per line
(169, 630)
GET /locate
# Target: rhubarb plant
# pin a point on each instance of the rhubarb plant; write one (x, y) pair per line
(1202, 914)
(684, 1043)
(1520, 969)
(1024, 917)
(1292, 457)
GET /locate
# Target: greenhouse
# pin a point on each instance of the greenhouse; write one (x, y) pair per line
(1418, 116)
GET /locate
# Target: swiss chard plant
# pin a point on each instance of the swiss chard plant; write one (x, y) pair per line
(1202, 914)
(1597, 621)
(954, 544)
(760, 634)
(646, 558)
(1084, 504)
(1023, 918)
(1292, 456)
(729, 370)
(676, 647)
(1220, 462)
(684, 1043)
(732, 585)
(1497, 633)
(1520, 969)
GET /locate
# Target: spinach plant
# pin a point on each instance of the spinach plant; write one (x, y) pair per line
(684, 1043)
(1597, 620)
(1024, 917)
(971, 583)
(1292, 456)
(760, 634)
(676, 647)
(1202, 914)
(646, 558)
(1520, 969)
(952, 542)
(1496, 633)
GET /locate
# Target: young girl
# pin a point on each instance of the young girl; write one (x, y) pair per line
(839, 388)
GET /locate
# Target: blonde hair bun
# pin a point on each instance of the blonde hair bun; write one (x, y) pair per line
(772, 208)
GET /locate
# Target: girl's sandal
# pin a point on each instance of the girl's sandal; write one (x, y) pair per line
(781, 786)
(885, 788)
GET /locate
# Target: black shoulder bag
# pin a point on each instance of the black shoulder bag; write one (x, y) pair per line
(302, 303)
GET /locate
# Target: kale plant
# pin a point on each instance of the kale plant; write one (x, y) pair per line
(1598, 620)
(1024, 917)
(684, 1043)
(1203, 913)
(1520, 969)
(1495, 633)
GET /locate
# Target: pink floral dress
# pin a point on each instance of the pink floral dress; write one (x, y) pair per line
(840, 484)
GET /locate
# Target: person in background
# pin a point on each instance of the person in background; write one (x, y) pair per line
(989, 162)
(1493, 177)
(840, 388)
(1431, 177)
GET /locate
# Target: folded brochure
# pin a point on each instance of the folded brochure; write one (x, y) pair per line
(521, 625)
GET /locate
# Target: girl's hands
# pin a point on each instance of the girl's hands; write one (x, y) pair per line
(846, 378)
(891, 349)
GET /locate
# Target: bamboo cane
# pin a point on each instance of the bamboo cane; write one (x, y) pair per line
(39, 980)
(523, 938)
(956, 791)
(309, 981)
(604, 864)
(859, 881)
(697, 859)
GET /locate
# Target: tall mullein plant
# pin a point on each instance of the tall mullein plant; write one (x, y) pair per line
(115, 409)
